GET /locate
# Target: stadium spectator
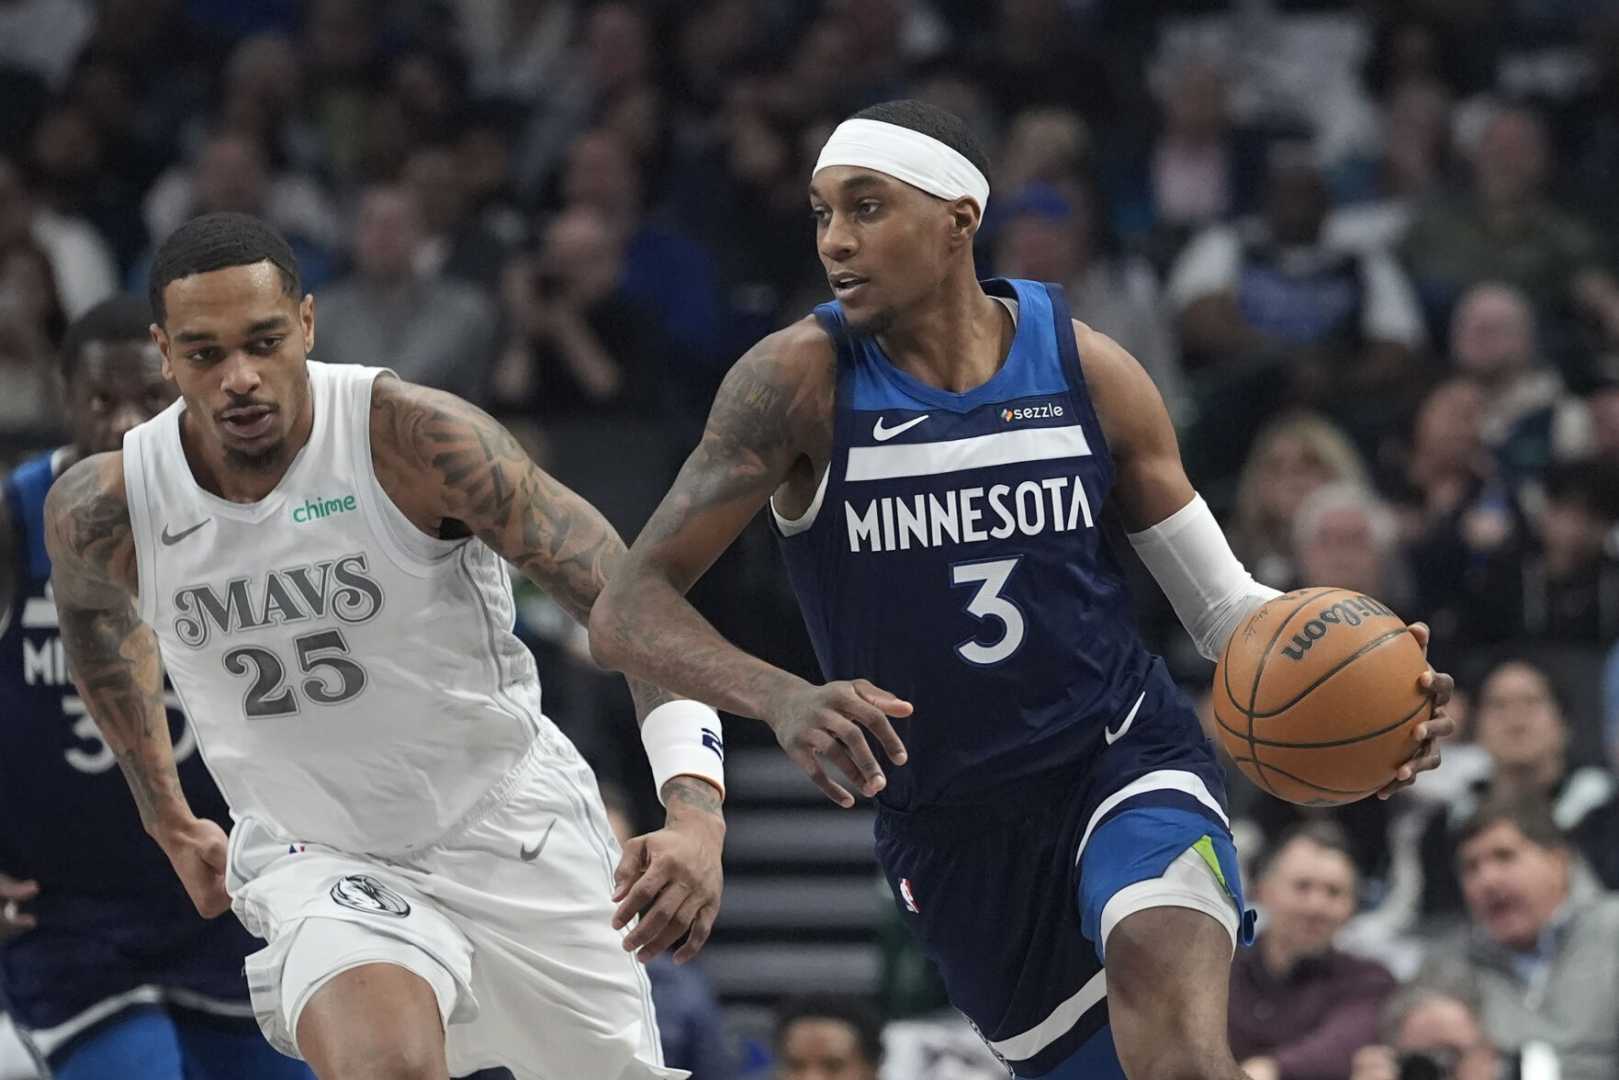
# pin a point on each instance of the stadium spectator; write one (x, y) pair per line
(1528, 419)
(1380, 195)
(1292, 457)
(1271, 293)
(231, 172)
(77, 175)
(1507, 229)
(516, 48)
(81, 262)
(1347, 537)
(28, 291)
(263, 99)
(28, 408)
(456, 244)
(1520, 723)
(690, 1023)
(1044, 145)
(827, 1038)
(1299, 1008)
(430, 330)
(1424, 1028)
(1538, 951)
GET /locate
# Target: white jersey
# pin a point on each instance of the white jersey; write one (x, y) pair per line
(351, 680)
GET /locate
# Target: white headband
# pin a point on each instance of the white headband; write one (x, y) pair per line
(919, 160)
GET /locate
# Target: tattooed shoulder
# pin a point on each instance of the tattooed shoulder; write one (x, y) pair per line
(776, 403)
(87, 527)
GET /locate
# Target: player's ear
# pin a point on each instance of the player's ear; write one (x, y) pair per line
(306, 316)
(964, 220)
(161, 340)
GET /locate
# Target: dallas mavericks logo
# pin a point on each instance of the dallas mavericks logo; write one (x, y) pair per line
(365, 893)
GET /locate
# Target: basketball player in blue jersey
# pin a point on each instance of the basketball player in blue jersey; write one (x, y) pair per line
(105, 963)
(938, 455)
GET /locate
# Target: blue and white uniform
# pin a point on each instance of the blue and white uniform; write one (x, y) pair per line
(1057, 779)
(121, 970)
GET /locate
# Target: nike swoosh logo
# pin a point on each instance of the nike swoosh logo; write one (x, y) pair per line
(882, 434)
(528, 855)
(1114, 736)
(169, 539)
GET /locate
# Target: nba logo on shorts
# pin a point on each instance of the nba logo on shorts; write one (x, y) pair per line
(905, 895)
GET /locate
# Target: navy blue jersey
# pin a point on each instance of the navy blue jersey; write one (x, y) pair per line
(66, 815)
(956, 559)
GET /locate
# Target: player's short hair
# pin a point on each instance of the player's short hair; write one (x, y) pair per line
(934, 122)
(857, 1012)
(1322, 832)
(1528, 811)
(121, 318)
(215, 242)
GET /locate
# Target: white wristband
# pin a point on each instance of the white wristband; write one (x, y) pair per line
(684, 738)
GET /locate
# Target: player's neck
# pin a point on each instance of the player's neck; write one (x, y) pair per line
(215, 471)
(956, 340)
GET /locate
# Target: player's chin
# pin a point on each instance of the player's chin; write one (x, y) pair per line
(866, 318)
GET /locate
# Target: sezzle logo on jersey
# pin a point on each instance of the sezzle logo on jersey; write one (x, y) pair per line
(1050, 410)
(898, 523)
(342, 587)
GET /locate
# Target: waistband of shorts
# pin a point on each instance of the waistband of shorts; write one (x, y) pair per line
(548, 748)
(1049, 793)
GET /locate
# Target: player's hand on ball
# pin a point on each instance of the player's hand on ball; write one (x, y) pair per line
(672, 879)
(1438, 726)
(13, 894)
(828, 724)
(197, 851)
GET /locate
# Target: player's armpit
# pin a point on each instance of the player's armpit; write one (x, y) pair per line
(772, 413)
(1151, 481)
(112, 654)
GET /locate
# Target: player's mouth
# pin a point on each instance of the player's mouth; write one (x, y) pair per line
(247, 421)
(845, 283)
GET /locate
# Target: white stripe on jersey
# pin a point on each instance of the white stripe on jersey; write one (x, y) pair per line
(957, 455)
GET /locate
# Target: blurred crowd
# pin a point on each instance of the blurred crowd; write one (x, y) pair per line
(1364, 247)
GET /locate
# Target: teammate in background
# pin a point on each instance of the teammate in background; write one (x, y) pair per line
(939, 455)
(316, 549)
(104, 962)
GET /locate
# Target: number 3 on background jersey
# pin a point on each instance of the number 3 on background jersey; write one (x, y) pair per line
(990, 577)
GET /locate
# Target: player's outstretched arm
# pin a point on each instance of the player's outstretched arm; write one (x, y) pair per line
(115, 664)
(1179, 540)
(443, 460)
(773, 413)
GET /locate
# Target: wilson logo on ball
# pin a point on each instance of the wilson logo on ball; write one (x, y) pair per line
(1351, 612)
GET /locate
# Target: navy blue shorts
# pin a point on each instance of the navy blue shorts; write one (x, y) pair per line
(1007, 898)
(94, 957)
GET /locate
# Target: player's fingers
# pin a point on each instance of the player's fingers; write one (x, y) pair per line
(12, 889)
(629, 866)
(811, 764)
(641, 894)
(701, 928)
(676, 928)
(655, 919)
(1438, 726)
(890, 704)
(1420, 631)
(1437, 685)
(853, 755)
(886, 736)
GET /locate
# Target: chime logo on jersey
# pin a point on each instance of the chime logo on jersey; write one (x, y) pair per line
(339, 587)
(362, 892)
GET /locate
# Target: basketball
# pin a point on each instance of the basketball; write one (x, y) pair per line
(1316, 698)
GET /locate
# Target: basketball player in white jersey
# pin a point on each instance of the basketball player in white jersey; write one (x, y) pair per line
(316, 552)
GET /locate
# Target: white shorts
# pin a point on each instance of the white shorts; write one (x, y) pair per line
(508, 917)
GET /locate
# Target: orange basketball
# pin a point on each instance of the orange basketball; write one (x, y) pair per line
(1316, 698)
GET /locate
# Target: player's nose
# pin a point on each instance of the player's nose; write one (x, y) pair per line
(239, 376)
(123, 419)
(837, 240)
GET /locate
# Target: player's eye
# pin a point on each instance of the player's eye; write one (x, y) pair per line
(266, 346)
(867, 207)
(821, 214)
(202, 356)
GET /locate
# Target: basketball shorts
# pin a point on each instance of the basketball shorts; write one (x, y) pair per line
(92, 959)
(1014, 899)
(507, 918)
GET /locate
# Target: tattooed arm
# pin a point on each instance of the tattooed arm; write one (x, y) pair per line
(770, 423)
(115, 664)
(453, 469)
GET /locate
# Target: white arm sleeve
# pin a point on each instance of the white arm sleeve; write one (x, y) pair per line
(1194, 565)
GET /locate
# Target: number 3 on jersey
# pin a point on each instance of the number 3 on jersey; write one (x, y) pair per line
(322, 649)
(990, 577)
